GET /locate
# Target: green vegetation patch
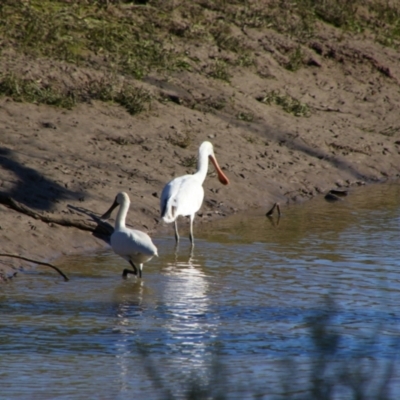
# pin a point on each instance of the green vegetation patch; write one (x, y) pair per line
(297, 18)
(137, 38)
(245, 116)
(295, 59)
(219, 70)
(131, 39)
(134, 99)
(120, 38)
(189, 162)
(288, 103)
(182, 140)
(33, 92)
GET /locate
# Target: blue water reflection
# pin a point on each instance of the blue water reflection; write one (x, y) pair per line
(247, 292)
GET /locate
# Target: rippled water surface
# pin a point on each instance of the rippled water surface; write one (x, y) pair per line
(234, 315)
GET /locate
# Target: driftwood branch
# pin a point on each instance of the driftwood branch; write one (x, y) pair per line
(92, 226)
(36, 262)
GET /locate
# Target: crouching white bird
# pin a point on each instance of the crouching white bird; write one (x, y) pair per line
(184, 195)
(134, 246)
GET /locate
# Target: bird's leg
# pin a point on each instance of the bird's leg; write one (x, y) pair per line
(176, 232)
(176, 250)
(191, 230)
(191, 255)
(140, 270)
(128, 271)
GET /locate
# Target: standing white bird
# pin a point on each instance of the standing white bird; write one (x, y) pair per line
(134, 246)
(184, 195)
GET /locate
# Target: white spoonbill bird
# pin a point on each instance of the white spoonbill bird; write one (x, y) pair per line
(184, 195)
(134, 246)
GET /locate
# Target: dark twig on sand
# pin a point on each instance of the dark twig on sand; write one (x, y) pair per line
(271, 211)
(335, 195)
(36, 262)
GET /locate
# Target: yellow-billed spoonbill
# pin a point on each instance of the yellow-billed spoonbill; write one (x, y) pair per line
(134, 246)
(184, 195)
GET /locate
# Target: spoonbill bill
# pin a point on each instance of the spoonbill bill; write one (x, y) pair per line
(132, 245)
(184, 195)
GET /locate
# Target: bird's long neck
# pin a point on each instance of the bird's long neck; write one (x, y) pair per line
(121, 216)
(202, 166)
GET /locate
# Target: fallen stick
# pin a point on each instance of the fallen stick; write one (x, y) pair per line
(36, 262)
(99, 227)
(271, 211)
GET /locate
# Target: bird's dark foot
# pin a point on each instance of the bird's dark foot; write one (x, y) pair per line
(126, 272)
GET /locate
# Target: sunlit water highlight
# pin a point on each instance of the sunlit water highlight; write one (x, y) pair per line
(245, 293)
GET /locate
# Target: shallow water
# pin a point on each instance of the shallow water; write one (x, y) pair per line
(234, 314)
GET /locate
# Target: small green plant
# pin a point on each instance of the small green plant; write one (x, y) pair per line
(218, 104)
(245, 59)
(180, 140)
(223, 37)
(250, 139)
(288, 103)
(219, 70)
(245, 116)
(209, 105)
(101, 89)
(134, 99)
(295, 59)
(189, 162)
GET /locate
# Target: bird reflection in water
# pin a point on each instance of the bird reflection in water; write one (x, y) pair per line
(189, 326)
(128, 308)
(169, 313)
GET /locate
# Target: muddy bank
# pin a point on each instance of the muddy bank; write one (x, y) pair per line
(75, 167)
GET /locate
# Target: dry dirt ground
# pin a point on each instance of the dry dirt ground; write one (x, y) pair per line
(72, 163)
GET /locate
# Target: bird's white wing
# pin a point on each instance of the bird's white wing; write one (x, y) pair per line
(129, 242)
(182, 196)
(170, 196)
